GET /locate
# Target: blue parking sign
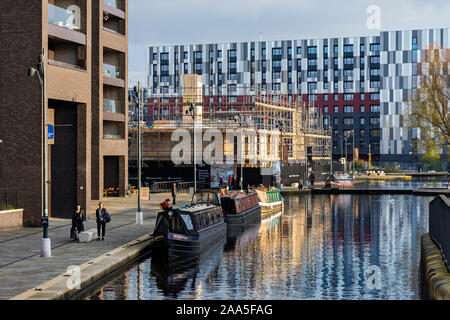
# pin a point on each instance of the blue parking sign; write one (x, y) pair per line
(51, 132)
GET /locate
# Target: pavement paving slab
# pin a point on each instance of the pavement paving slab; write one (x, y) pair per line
(22, 268)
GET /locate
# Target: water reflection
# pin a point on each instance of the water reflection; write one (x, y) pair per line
(319, 248)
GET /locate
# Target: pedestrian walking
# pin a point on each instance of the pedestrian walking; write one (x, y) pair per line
(312, 177)
(220, 182)
(230, 182)
(174, 193)
(78, 217)
(102, 219)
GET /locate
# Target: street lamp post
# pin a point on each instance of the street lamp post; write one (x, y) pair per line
(139, 213)
(191, 112)
(40, 71)
(280, 126)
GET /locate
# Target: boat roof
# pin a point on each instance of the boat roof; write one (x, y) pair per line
(196, 208)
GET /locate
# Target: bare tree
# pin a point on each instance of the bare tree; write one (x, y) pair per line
(429, 106)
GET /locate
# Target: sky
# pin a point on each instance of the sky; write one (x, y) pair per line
(170, 22)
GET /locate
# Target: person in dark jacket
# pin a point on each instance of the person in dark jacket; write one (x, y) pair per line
(78, 217)
(174, 193)
(312, 177)
(101, 214)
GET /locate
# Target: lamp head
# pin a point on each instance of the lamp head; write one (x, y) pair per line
(31, 72)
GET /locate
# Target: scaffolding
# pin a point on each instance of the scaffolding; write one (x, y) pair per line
(273, 126)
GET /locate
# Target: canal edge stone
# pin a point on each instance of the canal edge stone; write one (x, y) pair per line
(434, 272)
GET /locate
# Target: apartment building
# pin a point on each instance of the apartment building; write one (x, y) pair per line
(86, 48)
(360, 82)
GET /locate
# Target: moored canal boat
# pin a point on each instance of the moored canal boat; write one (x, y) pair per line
(189, 230)
(240, 210)
(270, 201)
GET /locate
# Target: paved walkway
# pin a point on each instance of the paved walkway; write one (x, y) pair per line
(22, 268)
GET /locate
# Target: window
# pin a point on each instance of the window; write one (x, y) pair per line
(198, 55)
(164, 67)
(312, 85)
(336, 109)
(299, 50)
(325, 73)
(348, 121)
(155, 79)
(348, 60)
(198, 67)
(155, 68)
(232, 99)
(233, 88)
(312, 74)
(335, 61)
(276, 63)
(336, 121)
(264, 64)
(414, 43)
(211, 54)
(336, 74)
(362, 121)
(336, 96)
(348, 48)
(185, 55)
(362, 108)
(312, 97)
(252, 52)
(186, 68)
(348, 73)
(375, 121)
(219, 54)
(362, 133)
(325, 97)
(362, 144)
(375, 47)
(312, 62)
(361, 73)
(276, 51)
(155, 56)
(374, 72)
(289, 51)
(362, 97)
(312, 50)
(219, 66)
(375, 108)
(220, 77)
(336, 49)
(336, 85)
(232, 53)
(263, 52)
(299, 75)
(276, 86)
(232, 65)
(361, 61)
(325, 86)
(374, 96)
(165, 56)
(374, 84)
(233, 76)
(362, 48)
(299, 63)
(289, 63)
(375, 133)
(375, 59)
(164, 78)
(325, 109)
(348, 109)
(348, 97)
(325, 62)
(276, 75)
(325, 49)
(348, 85)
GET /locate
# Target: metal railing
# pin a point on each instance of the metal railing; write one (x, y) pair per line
(166, 186)
(111, 105)
(8, 199)
(439, 222)
(62, 17)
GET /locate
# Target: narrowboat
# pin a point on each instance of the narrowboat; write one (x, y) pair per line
(270, 201)
(240, 210)
(189, 230)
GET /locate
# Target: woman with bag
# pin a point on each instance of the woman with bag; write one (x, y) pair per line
(103, 218)
(78, 217)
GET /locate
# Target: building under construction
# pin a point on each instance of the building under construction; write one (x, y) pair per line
(259, 131)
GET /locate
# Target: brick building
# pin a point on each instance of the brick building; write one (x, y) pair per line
(86, 45)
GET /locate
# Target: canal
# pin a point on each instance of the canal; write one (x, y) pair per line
(320, 247)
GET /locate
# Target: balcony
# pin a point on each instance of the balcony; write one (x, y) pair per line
(117, 4)
(112, 106)
(113, 130)
(66, 54)
(112, 71)
(69, 15)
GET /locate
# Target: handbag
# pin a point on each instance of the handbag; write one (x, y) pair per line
(107, 218)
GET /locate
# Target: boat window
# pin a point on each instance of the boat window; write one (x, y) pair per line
(187, 220)
(177, 225)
